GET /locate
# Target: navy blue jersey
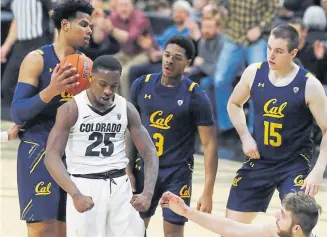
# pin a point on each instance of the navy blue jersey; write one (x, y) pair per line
(171, 116)
(39, 127)
(283, 121)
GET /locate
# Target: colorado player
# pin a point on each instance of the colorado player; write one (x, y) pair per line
(173, 109)
(92, 127)
(39, 92)
(286, 98)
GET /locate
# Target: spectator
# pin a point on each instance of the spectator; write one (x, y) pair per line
(245, 30)
(126, 25)
(310, 55)
(27, 32)
(184, 25)
(315, 18)
(209, 47)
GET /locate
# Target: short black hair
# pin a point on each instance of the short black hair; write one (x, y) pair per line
(184, 42)
(106, 62)
(66, 9)
(289, 33)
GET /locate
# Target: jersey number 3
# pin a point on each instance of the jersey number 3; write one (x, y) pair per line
(100, 138)
(271, 136)
(159, 143)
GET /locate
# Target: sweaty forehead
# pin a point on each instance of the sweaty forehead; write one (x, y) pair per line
(175, 49)
(108, 76)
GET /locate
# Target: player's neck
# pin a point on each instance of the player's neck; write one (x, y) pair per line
(283, 72)
(62, 48)
(171, 81)
(95, 104)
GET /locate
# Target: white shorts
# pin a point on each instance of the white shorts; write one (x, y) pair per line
(112, 214)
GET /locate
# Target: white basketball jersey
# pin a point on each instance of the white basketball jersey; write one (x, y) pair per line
(96, 142)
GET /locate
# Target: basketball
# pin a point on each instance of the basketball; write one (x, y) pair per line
(83, 67)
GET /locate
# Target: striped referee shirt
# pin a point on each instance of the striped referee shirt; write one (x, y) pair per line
(247, 14)
(32, 18)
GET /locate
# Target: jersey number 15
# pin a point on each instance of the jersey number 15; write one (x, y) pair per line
(271, 136)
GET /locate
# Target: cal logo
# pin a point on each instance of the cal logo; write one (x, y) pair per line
(185, 192)
(236, 181)
(274, 111)
(159, 121)
(65, 97)
(295, 90)
(42, 189)
(299, 181)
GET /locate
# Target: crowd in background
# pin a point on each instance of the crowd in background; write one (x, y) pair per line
(228, 34)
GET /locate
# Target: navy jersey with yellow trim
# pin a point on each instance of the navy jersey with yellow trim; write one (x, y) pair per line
(39, 127)
(283, 121)
(171, 116)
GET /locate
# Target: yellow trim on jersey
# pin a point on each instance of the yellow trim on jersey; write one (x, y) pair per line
(39, 51)
(192, 86)
(33, 147)
(26, 209)
(36, 162)
(259, 65)
(147, 77)
(308, 75)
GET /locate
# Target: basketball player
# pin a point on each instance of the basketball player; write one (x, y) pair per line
(286, 99)
(92, 128)
(297, 217)
(173, 109)
(39, 92)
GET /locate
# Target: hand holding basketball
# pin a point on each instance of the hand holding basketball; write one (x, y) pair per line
(83, 66)
(62, 78)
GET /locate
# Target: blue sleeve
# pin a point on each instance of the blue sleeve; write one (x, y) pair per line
(201, 108)
(26, 103)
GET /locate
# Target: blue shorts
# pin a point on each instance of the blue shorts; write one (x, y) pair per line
(177, 179)
(40, 197)
(255, 183)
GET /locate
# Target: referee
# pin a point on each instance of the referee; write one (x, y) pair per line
(29, 30)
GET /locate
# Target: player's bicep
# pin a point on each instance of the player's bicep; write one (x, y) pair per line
(317, 102)
(138, 133)
(65, 119)
(31, 69)
(255, 230)
(241, 92)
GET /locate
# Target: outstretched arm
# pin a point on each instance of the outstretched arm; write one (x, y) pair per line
(66, 117)
(145, 147)
(220, 225)
(317, 102)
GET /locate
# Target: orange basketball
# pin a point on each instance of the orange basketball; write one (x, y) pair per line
(83, 67)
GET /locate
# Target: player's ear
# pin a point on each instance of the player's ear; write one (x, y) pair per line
(294, 53)
(65, 25)
(189, 62)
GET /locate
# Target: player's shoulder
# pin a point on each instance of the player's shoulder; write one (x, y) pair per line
(139, 82)
(313, 89)
(192, 86)
(250, 72)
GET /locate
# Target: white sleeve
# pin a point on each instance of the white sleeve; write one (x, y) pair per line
(4, 137)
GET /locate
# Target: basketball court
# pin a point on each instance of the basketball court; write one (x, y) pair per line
(11, 226)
